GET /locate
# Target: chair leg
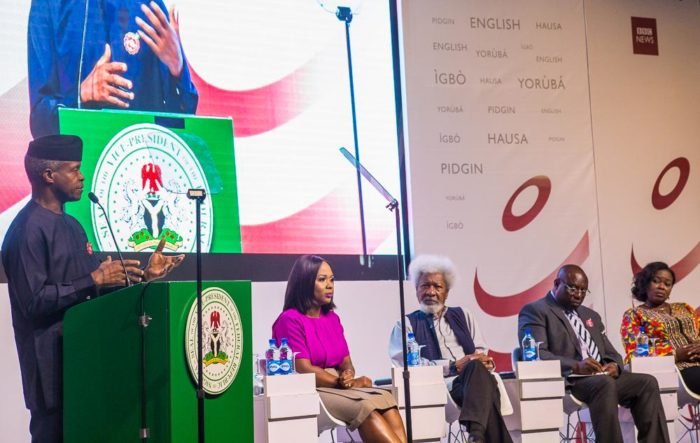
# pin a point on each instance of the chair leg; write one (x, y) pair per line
(352, 439)
(565, 436)
(458, 436)
(576, 432)
(586, 435)
(347, 433)
(691, 424)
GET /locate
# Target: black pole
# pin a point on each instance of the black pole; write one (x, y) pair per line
(198, 196)
(144, 320)
(345, 14)
(200, 368)
(398, 100)
(394, 207)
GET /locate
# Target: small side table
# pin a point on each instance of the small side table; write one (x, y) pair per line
(538, 413)
(287, 410)
(428, 399)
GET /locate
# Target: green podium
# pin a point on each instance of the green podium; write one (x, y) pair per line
(124, 380)
(140, 166)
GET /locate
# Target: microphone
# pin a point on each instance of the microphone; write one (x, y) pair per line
(93, 198)
(80, 64)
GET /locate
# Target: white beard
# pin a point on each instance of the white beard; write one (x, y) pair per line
(432, 309)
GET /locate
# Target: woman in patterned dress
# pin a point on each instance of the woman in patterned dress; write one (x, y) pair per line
(672, 326)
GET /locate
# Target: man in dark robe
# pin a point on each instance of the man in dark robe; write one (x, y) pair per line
(50, 267)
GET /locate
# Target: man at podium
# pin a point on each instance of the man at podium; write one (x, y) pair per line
(50, 267)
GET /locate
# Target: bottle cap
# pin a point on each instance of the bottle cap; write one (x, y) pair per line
(411, 336)
(272, 342)
(284, 341)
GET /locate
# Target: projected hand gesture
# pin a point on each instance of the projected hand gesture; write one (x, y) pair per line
(162, 36)
(105, 84)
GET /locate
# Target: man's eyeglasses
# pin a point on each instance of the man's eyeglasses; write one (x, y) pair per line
(573, 290)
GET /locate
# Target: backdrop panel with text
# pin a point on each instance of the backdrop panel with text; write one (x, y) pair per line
(517, 168)
(501, 159)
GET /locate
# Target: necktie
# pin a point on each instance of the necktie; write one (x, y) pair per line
(583, 334)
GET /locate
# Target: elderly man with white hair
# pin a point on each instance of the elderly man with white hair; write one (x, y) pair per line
(451, 338)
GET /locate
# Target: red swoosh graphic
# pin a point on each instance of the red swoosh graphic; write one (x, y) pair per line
(259, 110)
(509, 305)
(328, 226)
(682, 268)
(503, 360)
(14, 133)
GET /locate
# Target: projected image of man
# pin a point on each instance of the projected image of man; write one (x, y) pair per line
(121, 54)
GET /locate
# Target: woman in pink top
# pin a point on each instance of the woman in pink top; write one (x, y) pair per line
(313, 330)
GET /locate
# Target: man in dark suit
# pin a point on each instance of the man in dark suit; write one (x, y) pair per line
(575, 335)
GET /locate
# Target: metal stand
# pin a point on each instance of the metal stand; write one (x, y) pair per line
(198, 195)
(394, 207)
(144, 320)
(344, 14)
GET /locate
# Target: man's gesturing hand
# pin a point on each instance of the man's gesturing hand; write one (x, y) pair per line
(105, 85)
(162, 36)
(160, 265)
(111, 272)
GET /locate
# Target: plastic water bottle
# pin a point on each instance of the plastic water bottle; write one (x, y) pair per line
(272, 358)
(642, 343)
(413, 350)
(529, 346)
(285, 358)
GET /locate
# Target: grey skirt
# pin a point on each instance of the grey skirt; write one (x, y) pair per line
(354, 405)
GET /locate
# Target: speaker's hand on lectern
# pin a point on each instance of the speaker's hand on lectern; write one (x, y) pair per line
(160, 265)
(111, 272)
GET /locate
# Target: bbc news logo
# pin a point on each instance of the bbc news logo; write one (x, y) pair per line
(645, 38)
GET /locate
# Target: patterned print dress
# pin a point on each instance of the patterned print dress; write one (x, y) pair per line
(671, 331)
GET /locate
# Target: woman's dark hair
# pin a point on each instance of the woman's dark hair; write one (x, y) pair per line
(301, 284)
(645, 276)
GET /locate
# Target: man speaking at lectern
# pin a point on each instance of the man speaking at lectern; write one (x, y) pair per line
(50, 267)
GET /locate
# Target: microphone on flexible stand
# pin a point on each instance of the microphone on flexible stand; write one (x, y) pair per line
(80, 63)
(93, 198)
